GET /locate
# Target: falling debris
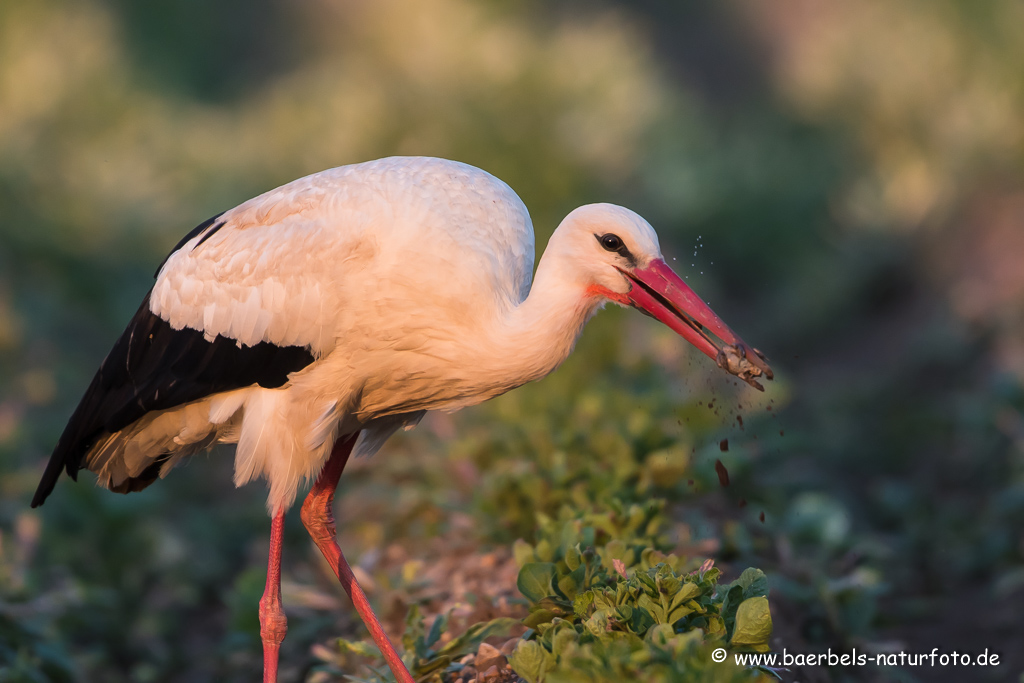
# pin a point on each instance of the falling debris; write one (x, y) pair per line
(723, 474)
(723, 445)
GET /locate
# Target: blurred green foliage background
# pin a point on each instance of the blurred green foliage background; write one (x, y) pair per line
(843, 181)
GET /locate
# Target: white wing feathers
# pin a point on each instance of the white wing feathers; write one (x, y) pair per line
(257, 282)
(282, 266)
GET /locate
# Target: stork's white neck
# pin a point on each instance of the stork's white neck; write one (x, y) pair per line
(533, 338)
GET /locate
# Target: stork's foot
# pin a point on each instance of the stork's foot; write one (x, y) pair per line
(273, 623)
(318, 516)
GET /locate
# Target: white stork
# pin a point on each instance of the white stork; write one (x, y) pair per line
(315, 320)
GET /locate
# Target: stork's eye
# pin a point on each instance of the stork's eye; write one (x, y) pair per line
(611, 242)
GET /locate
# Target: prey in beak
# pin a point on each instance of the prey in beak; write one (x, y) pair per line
(658, 292)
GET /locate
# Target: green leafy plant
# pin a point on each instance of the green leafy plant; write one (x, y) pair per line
(606, 602)
(428, 656)
(654, 622)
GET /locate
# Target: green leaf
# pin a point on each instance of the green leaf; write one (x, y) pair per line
(436, 629)
(412, 639)
(545, 552)
(424, 667)
(597, 624)
(754, 583)
(361, 648)
(648, 581)
(641, 620)
(581, 603)
(534, 580)
(687, 591)
(476, 634)
(579, 575)
(530, 660)
(614, 550)
(656, 610)
(557, 606)
(604, 600)
(570, 534)
(572, 558)
(538, 617)
(715, 626)
(563, 634)
(753, 622)
(731, 602)
(670, 585)
(523, 552)
(677, 614)
(567, 585)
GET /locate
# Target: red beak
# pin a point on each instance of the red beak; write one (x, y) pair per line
(660, 293)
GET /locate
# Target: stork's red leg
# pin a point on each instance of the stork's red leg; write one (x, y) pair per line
(273, 623)
(318, 516)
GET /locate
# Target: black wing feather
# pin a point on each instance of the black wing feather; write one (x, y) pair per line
(154, 367)
(192, 233)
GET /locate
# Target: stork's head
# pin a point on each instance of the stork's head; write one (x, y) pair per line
(615, 256)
